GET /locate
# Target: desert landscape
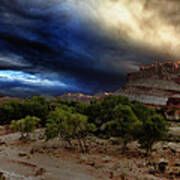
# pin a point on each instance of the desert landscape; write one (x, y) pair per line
(63, 157)
(54, 160)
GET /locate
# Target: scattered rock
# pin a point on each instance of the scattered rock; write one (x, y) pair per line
(91, 163)
(29, 156)
(111, 174)
(71, 148)
(116, 166)
(141, 165)
(175, 172)
(152, 171)
(55, 147)
(177, 163)
(41, 136)
(173, 150)
(40, 172)
(37, 150)
(32, 151)
(163, 163)
(101, 143)
(154, 150)
(106, 159)
(91, 138)
(2, 142)
(22, 154)
(114, 141)
(2, 177)
(165, 147)
(84, 158)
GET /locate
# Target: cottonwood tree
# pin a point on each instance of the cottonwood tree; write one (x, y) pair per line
(68, 126)
(153, 129)
(124, 124)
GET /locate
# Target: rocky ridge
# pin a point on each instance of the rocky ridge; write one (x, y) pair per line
(153, 84)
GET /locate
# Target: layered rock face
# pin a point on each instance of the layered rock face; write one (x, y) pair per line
(154, 84)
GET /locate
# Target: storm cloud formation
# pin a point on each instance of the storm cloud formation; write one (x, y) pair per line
(55, 46)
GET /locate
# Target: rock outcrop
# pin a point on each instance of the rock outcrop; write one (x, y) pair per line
(77, 97)
(153, 84)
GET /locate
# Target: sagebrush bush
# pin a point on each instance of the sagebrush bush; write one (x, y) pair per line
(25, 126)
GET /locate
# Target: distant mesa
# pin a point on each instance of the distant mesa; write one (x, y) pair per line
(153, 84)
(77, 97)
(84, 97)
(4, 99)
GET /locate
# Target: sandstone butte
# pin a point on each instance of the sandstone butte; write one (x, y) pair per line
(156, 85)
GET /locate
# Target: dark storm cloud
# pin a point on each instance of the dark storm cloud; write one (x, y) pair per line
(75, 43)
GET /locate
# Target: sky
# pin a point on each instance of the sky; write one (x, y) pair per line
(54, 46)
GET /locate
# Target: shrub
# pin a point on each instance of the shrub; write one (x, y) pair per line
(25, 126)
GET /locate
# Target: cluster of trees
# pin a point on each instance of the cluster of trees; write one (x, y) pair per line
(37, 106)
(69, 125)
(115, 116)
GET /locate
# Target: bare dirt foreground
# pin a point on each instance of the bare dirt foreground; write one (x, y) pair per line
(19, 162)
(40, 160)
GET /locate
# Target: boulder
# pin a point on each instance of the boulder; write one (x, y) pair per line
(175, 172)
(84, 158)
(114, 141)
(2, 177)
(177, 163)
(2, 142)
(22, 154)
(152, 171)
(106, 159)
(162, 165)
(173, 150)
(165, 147)
(91, 163)
(40, 172)
(32, 151)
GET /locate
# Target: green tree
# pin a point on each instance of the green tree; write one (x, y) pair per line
(124, 124)
(100, 112)
(93, 112)
(11, 110)
(153, 129)
(82, 107)
(141, 111)
(68, 125)
(37, 106)
(26, 125)
(108, 105)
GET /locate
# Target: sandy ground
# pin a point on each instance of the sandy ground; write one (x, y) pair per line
(17, 163)
(40, 160)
